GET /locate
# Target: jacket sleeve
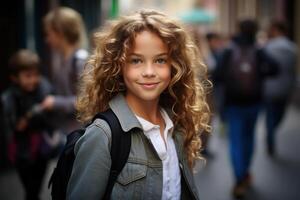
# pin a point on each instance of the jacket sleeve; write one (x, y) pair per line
(92, 163)
(268, 65)
(7, 115)
(67, 103)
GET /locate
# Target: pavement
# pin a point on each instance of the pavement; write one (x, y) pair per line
(275, 178)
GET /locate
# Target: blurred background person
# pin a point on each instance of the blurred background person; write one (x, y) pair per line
(65, 34)
(242, 69)
(25, 124)
(278, 89)
(214, 44)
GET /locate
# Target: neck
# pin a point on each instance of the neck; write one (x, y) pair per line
(149, 110)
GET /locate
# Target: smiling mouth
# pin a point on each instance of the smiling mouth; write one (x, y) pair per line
(148, 85)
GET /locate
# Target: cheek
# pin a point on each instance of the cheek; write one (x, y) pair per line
(129, 74)
(166, 74)
(35, 80)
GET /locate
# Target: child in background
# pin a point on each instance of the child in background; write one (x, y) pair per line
(25, 123)
(148, 71)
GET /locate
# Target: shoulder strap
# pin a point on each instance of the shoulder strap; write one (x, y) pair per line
(120, 148)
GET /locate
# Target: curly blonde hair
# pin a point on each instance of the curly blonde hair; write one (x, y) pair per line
(186, 93)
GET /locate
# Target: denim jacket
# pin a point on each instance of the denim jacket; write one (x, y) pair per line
(141, 177)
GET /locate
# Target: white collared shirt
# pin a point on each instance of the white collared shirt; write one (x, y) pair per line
(167, 153)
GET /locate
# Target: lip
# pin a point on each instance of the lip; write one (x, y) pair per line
(149, 85)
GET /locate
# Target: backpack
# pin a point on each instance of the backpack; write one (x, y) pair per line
(242, 73)
(120, 148)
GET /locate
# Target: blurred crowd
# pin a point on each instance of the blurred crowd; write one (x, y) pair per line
(248, 77)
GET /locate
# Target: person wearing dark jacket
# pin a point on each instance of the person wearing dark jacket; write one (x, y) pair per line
(243, 67)
(25, 123)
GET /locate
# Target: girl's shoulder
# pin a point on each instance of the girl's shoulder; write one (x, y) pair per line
(96, 134)
(99, 126)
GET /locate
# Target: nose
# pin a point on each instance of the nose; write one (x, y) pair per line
(149, 70)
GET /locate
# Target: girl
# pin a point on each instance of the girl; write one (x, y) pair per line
(144, 69)
(65, 35)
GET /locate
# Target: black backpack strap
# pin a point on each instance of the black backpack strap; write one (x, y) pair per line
(120, 148)
(61, 174)
(68, 151)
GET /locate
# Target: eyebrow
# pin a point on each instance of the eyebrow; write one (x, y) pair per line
(140, 55)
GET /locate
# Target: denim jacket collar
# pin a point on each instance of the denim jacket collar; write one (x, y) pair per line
(125, 115)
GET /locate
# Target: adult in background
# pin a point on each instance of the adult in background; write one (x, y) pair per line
(243, 67)
(65, 34)
(278, 89)
(215, 98)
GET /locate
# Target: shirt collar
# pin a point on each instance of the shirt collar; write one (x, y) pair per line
(147, 126)
(168, 121)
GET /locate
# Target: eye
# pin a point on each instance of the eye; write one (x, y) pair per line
(161, 60)
(135, 61)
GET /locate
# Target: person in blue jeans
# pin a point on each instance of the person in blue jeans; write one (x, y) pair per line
(241, 122)
(243, 67)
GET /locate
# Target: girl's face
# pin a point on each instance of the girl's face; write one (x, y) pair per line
(147, 72)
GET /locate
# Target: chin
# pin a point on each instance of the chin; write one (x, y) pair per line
(149, 97)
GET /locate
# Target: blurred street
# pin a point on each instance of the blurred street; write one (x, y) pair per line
(273, 178)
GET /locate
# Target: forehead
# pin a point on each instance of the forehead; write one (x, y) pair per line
(147, 42)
